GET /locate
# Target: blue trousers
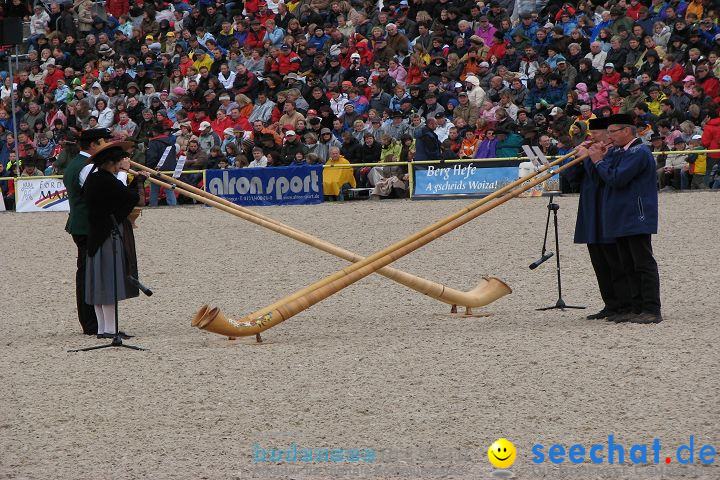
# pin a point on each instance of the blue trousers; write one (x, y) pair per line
(155, 192)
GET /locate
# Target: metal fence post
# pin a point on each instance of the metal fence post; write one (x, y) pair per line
(411, 182)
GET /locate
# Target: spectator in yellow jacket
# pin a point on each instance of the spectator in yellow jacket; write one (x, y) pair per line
(337, 179)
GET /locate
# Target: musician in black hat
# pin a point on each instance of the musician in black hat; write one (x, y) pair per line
(604, 256)
(77, 225)
(110, 202)
(630, 214)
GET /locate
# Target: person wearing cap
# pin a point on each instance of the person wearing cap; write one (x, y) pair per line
(110, 256)
(228, 138)
(381, 52)
(630, 214)
(631, 101)
(610, 75)
(31, 167)
(292, 146)
(77, 224)
(604, 256)
(527, 26)
(256, 35)
(397, 126)
(286, 61)
(465, 110)
(654, 102)
(670, 176)
(442, 126)
(509, 143)
(431, 106)
(207, 137)
(161, 155)
(693, 178)
(325, 141)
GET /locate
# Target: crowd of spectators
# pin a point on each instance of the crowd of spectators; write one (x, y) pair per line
(258, 83)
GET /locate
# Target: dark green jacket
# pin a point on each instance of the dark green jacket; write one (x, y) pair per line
(77, 223)
(510, 147)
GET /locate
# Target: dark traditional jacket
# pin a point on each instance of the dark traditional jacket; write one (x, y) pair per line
(589, 223)
(631, 198)
(77, 223)
(106, 196)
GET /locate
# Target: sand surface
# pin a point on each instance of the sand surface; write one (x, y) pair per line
(376, 366)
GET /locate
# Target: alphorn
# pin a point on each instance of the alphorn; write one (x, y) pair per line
(253, 324)
(487, 291)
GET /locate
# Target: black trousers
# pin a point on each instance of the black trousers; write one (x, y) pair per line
(636, 255)
(86, 313)
(611, 277)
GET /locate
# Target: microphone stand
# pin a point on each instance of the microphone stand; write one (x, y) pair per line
(560, 304)
(117, 339)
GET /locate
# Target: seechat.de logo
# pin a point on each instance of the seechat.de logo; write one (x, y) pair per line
(613, 452)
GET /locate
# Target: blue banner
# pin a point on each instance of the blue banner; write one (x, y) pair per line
(300, 185)
(478, 179)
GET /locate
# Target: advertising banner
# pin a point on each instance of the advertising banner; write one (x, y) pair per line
(300, 185)
(41, 195)
(452, 179)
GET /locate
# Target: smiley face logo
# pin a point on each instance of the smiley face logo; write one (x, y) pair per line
(502, 453)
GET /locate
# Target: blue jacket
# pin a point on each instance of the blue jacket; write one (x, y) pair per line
(598, 27)
(557, 95)
(589, 223)
(630, 200)
(529, 32)
(155, 150)
(427, 145)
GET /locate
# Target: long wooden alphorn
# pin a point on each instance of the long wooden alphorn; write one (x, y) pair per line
(487, 290)
(254, 323)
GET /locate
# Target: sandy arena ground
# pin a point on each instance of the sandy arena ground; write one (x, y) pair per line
(374, 366)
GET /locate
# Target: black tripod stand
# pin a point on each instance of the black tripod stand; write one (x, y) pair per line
(560, 304)
(117, 338)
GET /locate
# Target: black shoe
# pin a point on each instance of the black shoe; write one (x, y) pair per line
(604, 313)
(622, 317)
(647, 318)
(123, 335)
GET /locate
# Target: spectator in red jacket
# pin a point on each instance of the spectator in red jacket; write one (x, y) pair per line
(707, 80)
(610, 75)
(670, 67)
(711, 140)
(53, 75)
(256, 35)
(287, 61)
(497, 49)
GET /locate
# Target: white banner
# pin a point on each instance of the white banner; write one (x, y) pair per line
(41, 195)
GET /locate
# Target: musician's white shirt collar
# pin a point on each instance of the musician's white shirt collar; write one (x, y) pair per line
(122, 176)
(629, 144)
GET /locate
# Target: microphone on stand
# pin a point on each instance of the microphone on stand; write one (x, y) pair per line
(541, 260)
